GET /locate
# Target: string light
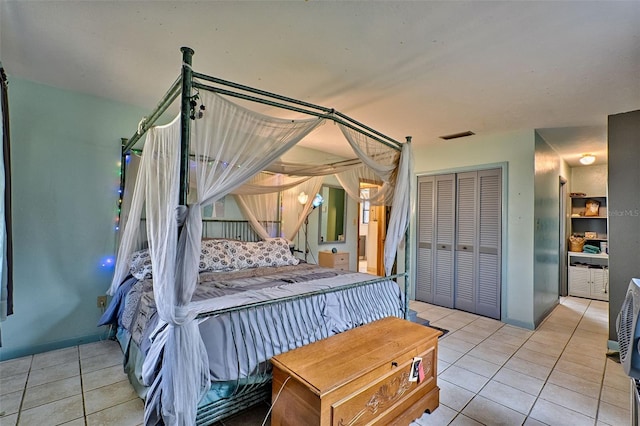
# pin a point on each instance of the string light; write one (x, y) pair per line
(108, 262)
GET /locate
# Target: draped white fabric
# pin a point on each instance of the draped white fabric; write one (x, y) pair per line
(351, 181)
(183, 375)
(263, 205)
(131, 229)
(229, 147)
(383, 161)
(294, 213)
(131, 169)
(258, 206)
(401, 208)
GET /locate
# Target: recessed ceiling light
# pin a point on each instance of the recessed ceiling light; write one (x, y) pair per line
(457, 135)
(587, 159)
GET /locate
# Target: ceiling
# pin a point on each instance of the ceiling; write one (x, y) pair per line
(421, 68)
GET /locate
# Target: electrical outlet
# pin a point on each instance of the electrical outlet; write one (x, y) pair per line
(102, 301)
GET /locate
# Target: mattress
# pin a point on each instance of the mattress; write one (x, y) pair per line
(261, 312)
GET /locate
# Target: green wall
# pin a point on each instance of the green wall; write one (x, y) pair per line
(546, 271)
(516, 149)
(65, 154)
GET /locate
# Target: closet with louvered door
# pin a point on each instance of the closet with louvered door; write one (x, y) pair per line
(424, 230)
(489, 243)
(466, 239)
(436, 223)
(459, 234)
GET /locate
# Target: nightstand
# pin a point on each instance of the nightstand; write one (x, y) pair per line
(339, 260)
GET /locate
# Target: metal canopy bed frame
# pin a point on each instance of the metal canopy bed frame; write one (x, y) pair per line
(248, 392)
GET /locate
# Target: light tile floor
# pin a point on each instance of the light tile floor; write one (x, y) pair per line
(489, 373)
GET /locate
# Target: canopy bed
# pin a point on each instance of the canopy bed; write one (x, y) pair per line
(198, 327)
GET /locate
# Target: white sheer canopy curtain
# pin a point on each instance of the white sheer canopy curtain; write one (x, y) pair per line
(394, 170)
(230, 144)
(272, 197)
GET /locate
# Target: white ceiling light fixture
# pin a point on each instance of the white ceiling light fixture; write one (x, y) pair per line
(587, 159)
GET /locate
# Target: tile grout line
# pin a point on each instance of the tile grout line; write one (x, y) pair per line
(604, 370)
(24, 392)
(84, 408)
(459, 413)
(512, 355)
(546, 380)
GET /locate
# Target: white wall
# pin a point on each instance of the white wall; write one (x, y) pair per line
(517, 150)
(592, 180)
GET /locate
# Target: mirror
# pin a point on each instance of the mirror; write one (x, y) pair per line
(333, 214)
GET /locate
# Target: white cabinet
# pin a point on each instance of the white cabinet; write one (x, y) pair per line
(589, 276)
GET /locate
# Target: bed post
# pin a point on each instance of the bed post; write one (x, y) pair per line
(407, 255)
(185, 124)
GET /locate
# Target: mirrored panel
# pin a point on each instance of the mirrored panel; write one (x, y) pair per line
(333, 215)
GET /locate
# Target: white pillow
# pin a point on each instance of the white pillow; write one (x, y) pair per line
(272, 252)
(214, 256)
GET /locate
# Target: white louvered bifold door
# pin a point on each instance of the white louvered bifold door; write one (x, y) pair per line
(444, 240)
(466, 241)
(489, 247)
(425, 226)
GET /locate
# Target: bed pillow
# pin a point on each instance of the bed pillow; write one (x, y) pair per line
(214, 256)
(279, 248)
(272, 252)
(140, 264)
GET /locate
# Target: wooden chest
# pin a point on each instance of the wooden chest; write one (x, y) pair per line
(339, 260)
(359, 377)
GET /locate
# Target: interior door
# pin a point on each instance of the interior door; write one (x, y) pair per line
(425, 233)
(466, 253)
(444, 240)
(489, 243)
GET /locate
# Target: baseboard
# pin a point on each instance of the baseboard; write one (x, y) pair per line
(613, 345)
(6, 354)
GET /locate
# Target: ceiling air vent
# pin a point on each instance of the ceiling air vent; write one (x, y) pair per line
(457, 135)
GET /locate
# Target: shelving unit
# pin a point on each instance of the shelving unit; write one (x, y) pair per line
(580, 223)
(588, 274)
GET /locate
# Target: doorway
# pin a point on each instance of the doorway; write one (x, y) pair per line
(372, 225)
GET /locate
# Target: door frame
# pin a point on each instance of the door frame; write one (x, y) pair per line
(563, 203)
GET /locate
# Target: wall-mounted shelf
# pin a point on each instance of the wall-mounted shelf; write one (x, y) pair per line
(589, 255)
(581, 223)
